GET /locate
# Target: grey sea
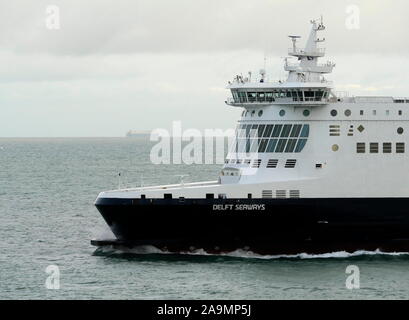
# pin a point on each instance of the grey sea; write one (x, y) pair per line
(47, 217)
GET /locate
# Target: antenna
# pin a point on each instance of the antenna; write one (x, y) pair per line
(294, 40)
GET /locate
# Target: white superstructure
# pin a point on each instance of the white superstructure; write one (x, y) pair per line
(299, 139)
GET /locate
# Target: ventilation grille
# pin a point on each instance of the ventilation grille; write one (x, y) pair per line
(294, 193)
(272, 163)
(334, 130)
(267, 194)
(256, 163)
(290, 163)
(281, 194)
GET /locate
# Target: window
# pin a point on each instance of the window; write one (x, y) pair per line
(277, 130)
(282, 113)
(260, 113)
(286, 131)
(334, 112)
(267, 132)
(361, 112)
(387, 147)
(300, 145)
(360, 147)
(374, 112)
(400, 130)
(270, 138)
(281, 144)
(290, 145)
(305, 131)
(261, 97)
(263, 145)
(271, 145)
(306, 113)
(373, 147)
(387, 112)
(400, 147)
(296, 130)
(347, 112)
(400, 112)
(251, 96)
(269, 97)
(335, 147)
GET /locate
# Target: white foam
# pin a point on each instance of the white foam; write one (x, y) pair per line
(241, 253)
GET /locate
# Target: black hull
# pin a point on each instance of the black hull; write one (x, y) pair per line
(266, 226)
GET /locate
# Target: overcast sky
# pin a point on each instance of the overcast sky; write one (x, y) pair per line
(135, 64)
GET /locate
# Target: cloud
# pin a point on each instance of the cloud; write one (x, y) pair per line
(126, 64)
(129, 26)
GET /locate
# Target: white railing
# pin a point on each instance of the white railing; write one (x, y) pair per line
(298, 51)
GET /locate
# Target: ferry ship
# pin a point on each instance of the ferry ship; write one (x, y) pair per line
(310, 171)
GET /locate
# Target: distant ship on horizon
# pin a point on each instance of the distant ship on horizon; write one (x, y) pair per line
(135, 133)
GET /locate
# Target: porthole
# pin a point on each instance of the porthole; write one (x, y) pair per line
(335, 147)
(253, 112)
(306, 113)
(400, 130)
(334, 112)
(347, 112)
(260, 113)
(282, 113)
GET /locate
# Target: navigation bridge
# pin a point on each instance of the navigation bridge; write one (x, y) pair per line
(305, 85)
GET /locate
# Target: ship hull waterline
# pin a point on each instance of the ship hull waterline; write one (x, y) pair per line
(265, 226)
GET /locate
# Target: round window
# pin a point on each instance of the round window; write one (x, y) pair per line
(335, 147)
(347, 112)
(253, 112)
(400, 130)
(306, 113)
(282, 113)
(260, 113)
(334, 112)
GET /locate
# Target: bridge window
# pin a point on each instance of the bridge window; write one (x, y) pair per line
(251, 96)
(271, 138)
(261, 97)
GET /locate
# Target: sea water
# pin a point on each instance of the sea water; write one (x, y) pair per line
(47, 218)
